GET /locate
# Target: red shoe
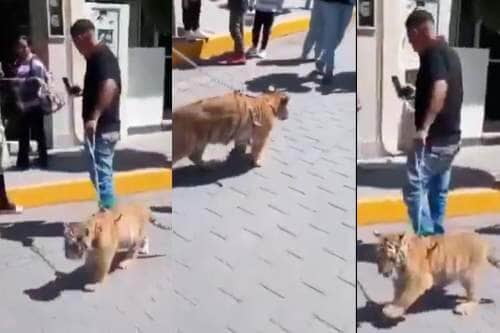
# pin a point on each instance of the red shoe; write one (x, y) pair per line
(235, 59)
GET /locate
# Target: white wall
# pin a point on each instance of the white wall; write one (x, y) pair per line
(146, 70)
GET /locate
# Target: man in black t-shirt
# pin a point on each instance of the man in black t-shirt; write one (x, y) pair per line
(101, 108)
(438, 103)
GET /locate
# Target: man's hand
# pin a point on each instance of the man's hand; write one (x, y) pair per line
(75, 91)
(90, 128)
(420, 137)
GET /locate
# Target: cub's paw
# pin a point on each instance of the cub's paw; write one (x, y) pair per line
(145, 247)
(124, 264)
(393, 311)
(465, 309)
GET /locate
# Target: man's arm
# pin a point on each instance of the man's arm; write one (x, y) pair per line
(438, 97)
(107, 93)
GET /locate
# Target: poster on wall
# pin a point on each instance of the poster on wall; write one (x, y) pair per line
(106, 22)
(366, 14)
(55, 18)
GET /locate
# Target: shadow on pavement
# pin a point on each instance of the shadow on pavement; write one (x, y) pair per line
(290, 82)
(124, 160)
(162, 209)
(392, 176)
(75, 280)
(344, 82)
(192, 175)
(489, 230)
(366, 252)
(434, 299)
(284, 62)
(24, 232)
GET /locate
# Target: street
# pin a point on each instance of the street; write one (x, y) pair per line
(271, 249)
(133, 300)
(433, 313)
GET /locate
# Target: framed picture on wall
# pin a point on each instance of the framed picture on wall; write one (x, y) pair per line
(366, 14)
(55, 18)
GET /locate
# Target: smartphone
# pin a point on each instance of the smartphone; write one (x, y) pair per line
(67, 84)
(397, 84)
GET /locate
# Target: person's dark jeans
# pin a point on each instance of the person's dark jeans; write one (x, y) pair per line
(31, 126)
(236, 19)
(263, 21)
(191, 15)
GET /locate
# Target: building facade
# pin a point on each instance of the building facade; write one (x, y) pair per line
(385, 123)
(123, 25)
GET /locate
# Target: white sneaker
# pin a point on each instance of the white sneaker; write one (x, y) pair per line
(188, 35)
(252, 52)
(197, 34)
(262, 54)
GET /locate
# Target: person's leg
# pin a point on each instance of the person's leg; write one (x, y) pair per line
(196, 10)
(186, 15)
(313, 32)
(233, 29)
(268, 24)
(39, 135)
(415, 194)
(439, 186)
(257, 27)
(337, 17)
(104, 153)
(24, 141)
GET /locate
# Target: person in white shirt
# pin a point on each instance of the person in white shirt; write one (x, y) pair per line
(265, 11)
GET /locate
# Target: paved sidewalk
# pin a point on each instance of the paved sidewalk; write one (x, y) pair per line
(272, 249)
(136, 300)
(433, 313)
(214, 18)
(137, 152)
(475, 167)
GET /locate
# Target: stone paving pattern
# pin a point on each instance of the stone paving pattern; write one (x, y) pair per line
(433, 313)
(136, 300)
(271, 249)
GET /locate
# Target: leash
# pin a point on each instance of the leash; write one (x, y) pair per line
(363, 291)
(91, 147)
(213, 78)
(35, 249)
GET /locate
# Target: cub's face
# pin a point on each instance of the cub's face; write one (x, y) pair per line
(279, 100)
(390, 253)
(282, 112)
(77, 239)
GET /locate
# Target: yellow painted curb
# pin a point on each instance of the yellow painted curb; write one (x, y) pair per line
(460, 203)
(220, 44)
(82, 190)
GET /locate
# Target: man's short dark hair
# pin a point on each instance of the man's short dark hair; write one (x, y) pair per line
(418, 17)
(82, 26)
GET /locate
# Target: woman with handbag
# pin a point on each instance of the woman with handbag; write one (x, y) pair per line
(31, 105)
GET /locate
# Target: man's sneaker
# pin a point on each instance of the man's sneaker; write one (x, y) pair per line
(197, 34)
(327, 79)
(7, 207)
(262, 54)
(252, 52)
(188, 35)
(320, 66)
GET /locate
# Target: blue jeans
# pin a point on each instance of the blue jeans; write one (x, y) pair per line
(314, 33)
(100, 160)
(426, 189)
(335, 18)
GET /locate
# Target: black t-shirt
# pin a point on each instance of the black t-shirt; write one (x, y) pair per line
(101, 66)
(440, 63)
